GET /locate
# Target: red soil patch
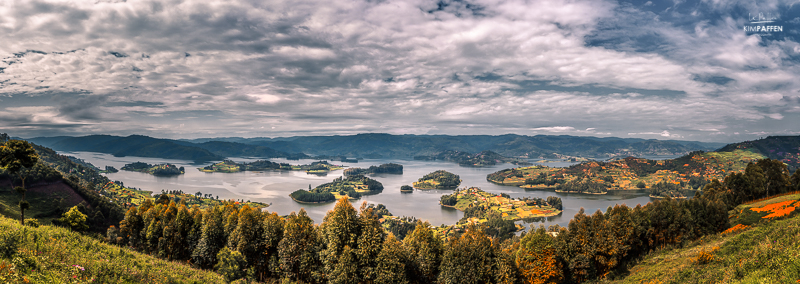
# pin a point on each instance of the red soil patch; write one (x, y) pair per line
(56, 189)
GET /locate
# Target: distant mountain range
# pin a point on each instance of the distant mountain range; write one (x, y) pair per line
(372, 146)
(509, 145)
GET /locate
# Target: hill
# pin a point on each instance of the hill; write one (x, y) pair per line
(440, 179)
(351, 186)
(50, 254)
(783, 148)
(134, 145)
(764, 253)
(691, 171)
(377, 145)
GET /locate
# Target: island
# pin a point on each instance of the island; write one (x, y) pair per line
(228, 166)
(351, 186)
(440, 179)
(156, 170)
(406, 189)
(689, 172)
(477, 203)
(390, 168)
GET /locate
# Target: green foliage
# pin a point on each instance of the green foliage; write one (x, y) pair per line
(764, 254)
(391, 262)
(406, 188)
(665, 189)
(74, 219)
(317, 197)
(424, 250)
(9, 242)
(438, 179)
(50, 254)
(468, 259)
(298, 251)
(231, 264)
(156, 170)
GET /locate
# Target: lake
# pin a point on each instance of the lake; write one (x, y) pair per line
(274, 187)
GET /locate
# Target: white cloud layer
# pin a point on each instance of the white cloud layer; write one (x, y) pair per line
(250, 68)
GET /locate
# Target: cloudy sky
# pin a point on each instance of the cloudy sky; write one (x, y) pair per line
(197, 68)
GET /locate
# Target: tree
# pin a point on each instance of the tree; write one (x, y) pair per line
(74, 219)
(468, 259)
(340, 229)
(298, 250)
(16, 156)
(231, 264)
(369, 242)
(536, 258)
(391, 262)
(424, 251)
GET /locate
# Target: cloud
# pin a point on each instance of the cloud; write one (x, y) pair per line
(422, 66)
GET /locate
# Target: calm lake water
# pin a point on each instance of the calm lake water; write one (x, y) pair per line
(274, 187)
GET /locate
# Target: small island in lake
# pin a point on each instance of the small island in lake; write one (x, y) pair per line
(475, 199)
(406, 189)
(440, 179)
(156, 170)
(350, 186)
(390, 168)
(228, 166)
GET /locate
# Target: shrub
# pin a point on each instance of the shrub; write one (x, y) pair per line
(705, 257)
(9, 243)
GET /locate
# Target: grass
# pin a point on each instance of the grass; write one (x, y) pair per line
(50, 254)
(45, 205)
(760, 211)
(768, 252)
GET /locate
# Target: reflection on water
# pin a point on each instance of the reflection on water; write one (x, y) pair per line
(275, 186)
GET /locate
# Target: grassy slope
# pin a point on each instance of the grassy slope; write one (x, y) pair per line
(769, 252)
(45, 200)
(50, 254)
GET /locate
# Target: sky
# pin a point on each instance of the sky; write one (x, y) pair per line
(684, 70)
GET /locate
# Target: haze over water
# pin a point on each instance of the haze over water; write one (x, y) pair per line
(274, 187)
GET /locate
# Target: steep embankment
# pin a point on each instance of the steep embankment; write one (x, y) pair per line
(50, 254)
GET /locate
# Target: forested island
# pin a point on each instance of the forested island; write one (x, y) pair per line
(406, 189)
(390, 168)
(350, 186)
(228, 166)
(156, 170)
(689, 172)
(440, 179)
(476, 202)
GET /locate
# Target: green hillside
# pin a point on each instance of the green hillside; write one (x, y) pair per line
(768, 252)
(783, 148)
(50, 254)
(689, 172)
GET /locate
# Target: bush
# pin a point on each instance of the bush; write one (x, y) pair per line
(705, 257)
(32, 222)
(9, 243)
(231, 264)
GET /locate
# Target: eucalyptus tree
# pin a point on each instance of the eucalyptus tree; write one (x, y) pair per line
(16, 156)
